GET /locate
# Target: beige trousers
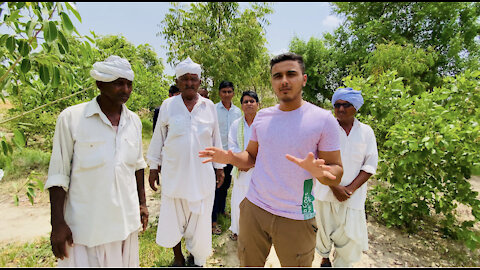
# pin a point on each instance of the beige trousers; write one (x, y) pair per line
(343, 227)
(178, 218)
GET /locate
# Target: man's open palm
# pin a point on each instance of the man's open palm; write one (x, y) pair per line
(316, 167)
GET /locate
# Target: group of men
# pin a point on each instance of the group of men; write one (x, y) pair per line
(299, 173)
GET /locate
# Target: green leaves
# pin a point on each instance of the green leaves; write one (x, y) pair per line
(44, 74)
(67, 23)
(11, 44)
(50, 31)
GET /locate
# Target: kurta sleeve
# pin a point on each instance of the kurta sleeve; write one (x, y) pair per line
(62, 153)
(154, 152)
(140, 164)
(371, 155)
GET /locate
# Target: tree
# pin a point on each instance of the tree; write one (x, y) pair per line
(320, 68)
(32, 68)
(450, 28)
(229, 44)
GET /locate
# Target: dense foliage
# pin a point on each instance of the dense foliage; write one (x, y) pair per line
(428, 146)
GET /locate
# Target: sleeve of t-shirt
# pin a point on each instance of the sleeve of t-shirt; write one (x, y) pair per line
(330, 138)
(253, 136)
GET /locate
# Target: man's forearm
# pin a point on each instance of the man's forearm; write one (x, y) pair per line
(139, 175)
(57, 203)
(336, 170)
(361, 178)
(242, 160)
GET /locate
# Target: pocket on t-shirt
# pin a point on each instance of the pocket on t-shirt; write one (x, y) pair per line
(130, 151)
(90, 154)
(177, 127)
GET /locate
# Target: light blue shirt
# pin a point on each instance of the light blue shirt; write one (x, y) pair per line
(225, 120)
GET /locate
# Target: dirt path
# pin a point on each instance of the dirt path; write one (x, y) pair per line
(388, 247)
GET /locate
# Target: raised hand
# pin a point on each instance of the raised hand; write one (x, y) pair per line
(217, 155)
(316, 167)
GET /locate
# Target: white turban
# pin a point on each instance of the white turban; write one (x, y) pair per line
(188, 66)
(112, 68)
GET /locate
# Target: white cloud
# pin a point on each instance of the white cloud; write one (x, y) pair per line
(331, 22)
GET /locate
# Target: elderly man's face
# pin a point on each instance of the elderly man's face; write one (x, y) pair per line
(188, 84)
(117, 92)
(344, 110)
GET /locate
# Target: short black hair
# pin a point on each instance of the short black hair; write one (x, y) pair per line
(250, 94)
(225, 84)
(173, 90)
(289, 56)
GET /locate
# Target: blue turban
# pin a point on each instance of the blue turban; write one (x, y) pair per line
(350, 95)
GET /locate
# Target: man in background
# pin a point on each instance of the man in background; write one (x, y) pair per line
(186, 124)
(341, 208)
(227, 113)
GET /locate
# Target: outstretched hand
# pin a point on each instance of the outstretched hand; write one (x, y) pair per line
(316, 167)
(215, 154)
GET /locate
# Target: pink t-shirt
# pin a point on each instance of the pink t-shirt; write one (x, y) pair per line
(278, 185)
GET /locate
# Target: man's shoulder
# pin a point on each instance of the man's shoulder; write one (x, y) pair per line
(74, 109)
(365, 127)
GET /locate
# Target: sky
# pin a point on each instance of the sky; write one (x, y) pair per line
(139, 22)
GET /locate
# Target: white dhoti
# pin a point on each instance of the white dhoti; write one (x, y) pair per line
(239, 191)
(115, 254)
(344, 227)
(179, 218)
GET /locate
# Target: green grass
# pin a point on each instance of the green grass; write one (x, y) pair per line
(22, 162)
(34, 254)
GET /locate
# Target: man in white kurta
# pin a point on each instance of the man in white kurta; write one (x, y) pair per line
(238, 138)
(341, 209)
(186, 124)
(95, 177)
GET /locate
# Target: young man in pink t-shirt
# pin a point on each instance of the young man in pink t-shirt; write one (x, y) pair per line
(278, 208)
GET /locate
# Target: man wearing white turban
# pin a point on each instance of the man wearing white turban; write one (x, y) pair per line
(186, 124)
(96, 176)
(341, 208)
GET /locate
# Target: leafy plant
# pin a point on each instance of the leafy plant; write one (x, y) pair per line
(428, 145)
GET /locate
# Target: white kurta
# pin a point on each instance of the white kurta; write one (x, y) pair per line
(344, 223)
(178, 138)
(240, 184)
(96, 166)
(359, 152)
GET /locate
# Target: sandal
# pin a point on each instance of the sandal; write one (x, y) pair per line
(234, 237)
(217, 229)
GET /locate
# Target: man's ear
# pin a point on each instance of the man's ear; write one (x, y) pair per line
(99, 84)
